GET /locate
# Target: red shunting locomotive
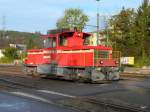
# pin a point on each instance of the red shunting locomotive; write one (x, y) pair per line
(67, 55)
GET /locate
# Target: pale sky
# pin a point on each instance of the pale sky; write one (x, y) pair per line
(41, 15)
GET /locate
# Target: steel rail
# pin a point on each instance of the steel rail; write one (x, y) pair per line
(115, 106)
(14, 83)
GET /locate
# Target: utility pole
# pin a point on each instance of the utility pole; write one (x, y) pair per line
(3, 26)
(106, 29)
(97, 28)
(97, 20)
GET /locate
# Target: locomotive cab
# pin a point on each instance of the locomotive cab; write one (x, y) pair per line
(68, 39)
(72, 39)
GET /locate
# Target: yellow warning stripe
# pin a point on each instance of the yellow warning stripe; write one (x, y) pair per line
(63, 51)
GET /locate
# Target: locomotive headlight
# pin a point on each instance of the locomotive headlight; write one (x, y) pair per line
(101, 62)
(117, 62)
(79, 34)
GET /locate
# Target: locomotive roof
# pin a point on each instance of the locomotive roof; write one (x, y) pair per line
(72, 32)
(49, 36)
(67, 33)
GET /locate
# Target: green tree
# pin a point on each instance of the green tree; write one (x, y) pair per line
(131, 33)
(30, 43)
(141, 28)
(73, 18)
(10, 53)
(122, 31)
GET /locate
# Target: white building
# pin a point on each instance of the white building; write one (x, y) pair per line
(20, 47)
(1, 54)
(101, 39)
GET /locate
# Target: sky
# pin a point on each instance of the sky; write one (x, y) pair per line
(42, 15)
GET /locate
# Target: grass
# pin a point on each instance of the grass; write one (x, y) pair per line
(5, 60)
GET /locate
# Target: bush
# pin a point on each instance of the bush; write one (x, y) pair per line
(5, 60)
(140, 62)
(10, 53)
(23, 55)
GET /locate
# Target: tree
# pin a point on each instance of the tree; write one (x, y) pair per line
(10, 53)
(30, 43)
(121, 34)
(73, 18)
(131, 32)
(142, 25)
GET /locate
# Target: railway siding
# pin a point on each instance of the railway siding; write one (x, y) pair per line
(129, 72)
(144, 71)
(136, 72)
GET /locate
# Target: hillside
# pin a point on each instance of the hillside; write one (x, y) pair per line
(16, 37)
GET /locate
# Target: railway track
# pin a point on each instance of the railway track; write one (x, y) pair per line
(17, 70)
(11, 68)
(12, 71)
(86, 104)
(14, 84)
(134, 75)
(116, 107)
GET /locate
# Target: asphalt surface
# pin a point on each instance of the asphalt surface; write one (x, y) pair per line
(132, 92)
(12, 103)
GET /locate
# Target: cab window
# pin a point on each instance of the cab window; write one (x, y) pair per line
(62, 41)
(50, 43)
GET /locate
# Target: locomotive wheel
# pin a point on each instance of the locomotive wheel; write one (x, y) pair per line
(114, 75)
(30, 71)
(73, 77)
(24, 70)
(97, 76)
(83, 79)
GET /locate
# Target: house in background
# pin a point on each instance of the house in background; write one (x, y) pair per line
(102, 38)
(1, 54)
(20, 47)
